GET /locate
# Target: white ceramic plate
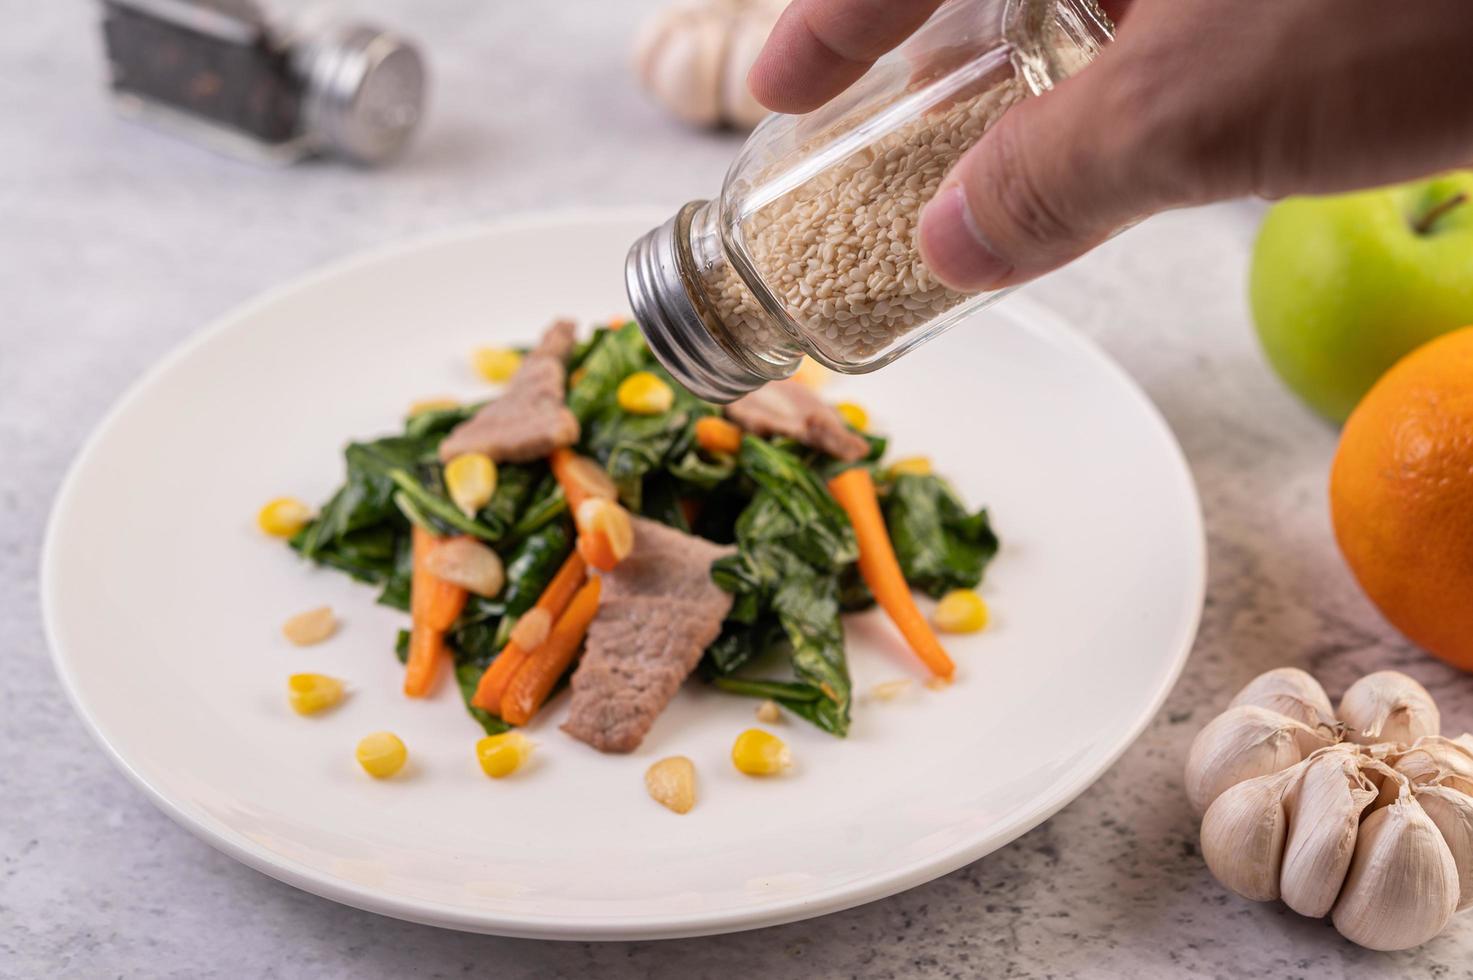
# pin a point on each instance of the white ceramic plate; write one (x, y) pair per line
(164, 603)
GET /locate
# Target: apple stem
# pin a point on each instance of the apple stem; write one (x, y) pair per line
(1429, 219)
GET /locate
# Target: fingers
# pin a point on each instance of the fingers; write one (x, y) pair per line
(821, 47)
(1051, 180)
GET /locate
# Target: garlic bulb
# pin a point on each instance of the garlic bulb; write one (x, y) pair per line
(693, 58)
(1324, 812)
(1291, 692)
(1452, 812)
(1243, 834)
(1242, 743)
(1403, 885)
(1388, 706)
(1364, 812)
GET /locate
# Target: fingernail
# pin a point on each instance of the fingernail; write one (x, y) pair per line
(954, 248)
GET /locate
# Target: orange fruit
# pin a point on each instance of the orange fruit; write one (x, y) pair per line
(1401, 496)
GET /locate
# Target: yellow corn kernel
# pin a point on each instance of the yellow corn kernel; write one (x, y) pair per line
(501, 755)
(759, 753)
(672, 783)
(644, 393)
(912, 465)
(311, 693)
(471, 480)
(960, 611)
(381, 754)
(431, 405)
(283, 517)
(769, 713)
(854, 414)
(496, 364)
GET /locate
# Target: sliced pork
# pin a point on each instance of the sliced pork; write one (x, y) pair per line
(530, 419)
(658, 612)
(790, 408)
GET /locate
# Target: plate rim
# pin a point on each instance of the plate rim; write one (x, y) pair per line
(635, 926)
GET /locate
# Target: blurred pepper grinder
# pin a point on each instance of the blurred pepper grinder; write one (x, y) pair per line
(221, 73)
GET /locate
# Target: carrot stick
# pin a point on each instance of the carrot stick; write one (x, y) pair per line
(434, 605)
(581, 478)
(536, 678)
(716, 435)
(432, 601)
(553, 601)
(855, 492)
(605, 535)
(426, 651)
(494, 681)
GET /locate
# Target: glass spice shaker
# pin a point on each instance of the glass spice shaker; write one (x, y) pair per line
(811, 247)
(219, 72)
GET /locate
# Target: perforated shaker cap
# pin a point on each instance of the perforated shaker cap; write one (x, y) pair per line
(365, 91)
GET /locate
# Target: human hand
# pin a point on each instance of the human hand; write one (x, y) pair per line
(1193, 102)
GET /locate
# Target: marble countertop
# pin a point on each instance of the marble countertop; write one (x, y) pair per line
(116, 244)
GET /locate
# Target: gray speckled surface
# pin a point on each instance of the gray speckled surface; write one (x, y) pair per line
(116, 244)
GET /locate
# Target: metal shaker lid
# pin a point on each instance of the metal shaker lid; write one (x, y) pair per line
(365, 91)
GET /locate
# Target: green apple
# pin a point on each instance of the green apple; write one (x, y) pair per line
(1343, 286)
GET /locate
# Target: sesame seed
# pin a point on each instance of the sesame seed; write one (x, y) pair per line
(839, 252)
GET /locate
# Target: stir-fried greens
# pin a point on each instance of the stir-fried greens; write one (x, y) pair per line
(792, 576)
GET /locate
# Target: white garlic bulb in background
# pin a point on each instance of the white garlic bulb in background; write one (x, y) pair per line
(1388, 706)
(1364, 813)
(693, 58)
(1289, 691)
(1241, 743)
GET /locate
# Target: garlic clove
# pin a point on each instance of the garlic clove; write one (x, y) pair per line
(468, 563)
(1434, 758)
(1403, 883)
(1242, 743)
(1291, 692)
(1388, 706)
(1452, 812)
(1324, 810)
(1243, 834)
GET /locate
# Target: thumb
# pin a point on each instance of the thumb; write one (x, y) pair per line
(1048, 182)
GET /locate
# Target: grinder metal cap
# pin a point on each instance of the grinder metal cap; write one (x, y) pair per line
(365, 91)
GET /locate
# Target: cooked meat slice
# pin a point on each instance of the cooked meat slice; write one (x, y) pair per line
(789, 408)
(659, 611)
(666, 563)
(556, 342)
(530, 419)
(640, 650)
